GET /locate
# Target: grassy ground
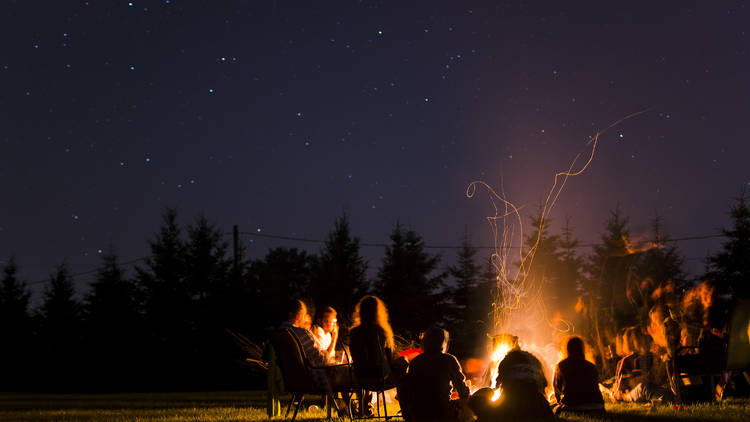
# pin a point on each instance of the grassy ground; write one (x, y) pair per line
(249, 406)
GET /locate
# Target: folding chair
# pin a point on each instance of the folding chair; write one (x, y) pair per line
(371, 367)
(295, 371)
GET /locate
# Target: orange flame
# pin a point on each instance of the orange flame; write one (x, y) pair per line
(631, 248)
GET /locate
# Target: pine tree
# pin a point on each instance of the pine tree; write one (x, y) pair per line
(543, 251)
(17, 329)
(661, 263)
(168, 308)
(113, 327)
(730, 268)
(339, 276)
(465, 312)
(163, 281)
(409, 284)
(571, 271)
(60, 328)
(608, 274)
(207, 267)
(609, 266)
(282, 274)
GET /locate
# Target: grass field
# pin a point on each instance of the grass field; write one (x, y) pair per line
(249, 406)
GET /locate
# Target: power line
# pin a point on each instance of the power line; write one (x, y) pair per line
(375, 245)
(382, 245)
(91, 271)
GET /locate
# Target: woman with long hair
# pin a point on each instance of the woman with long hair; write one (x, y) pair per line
(371, 313)
(372, 347)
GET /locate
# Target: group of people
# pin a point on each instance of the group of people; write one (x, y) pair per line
(673, 329)
(432, 386)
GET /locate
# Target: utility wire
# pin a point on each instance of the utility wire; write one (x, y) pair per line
(374, 245)
(382, 245)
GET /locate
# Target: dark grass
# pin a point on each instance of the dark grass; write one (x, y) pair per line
(250, 406)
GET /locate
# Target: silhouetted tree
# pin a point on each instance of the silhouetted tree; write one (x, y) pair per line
(546, 264)
(409, 283)
(608, 271)
(730, 268)
(464, 312)
(60, 328)
(571, 271)
(661, 262)
(207, 274)
(207, 267)
(339, 275)
(113, 328)
(282, 274)
(167, 304)
(15, 330)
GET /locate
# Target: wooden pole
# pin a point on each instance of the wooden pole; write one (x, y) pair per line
(236, 249)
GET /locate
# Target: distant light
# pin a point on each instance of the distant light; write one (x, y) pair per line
(99, 251)
(36, 45)
(130, 4)
(122, 164)
(65, 34)
(148, 159)
(258, 229)
(380, 32)
(132, 67)
(211, 90)
(75, 217)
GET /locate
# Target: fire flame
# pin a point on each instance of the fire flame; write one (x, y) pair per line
(519, 303)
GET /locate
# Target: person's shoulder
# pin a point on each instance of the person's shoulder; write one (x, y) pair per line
(448, 358)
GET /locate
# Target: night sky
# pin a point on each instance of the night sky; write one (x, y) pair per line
(280, 115)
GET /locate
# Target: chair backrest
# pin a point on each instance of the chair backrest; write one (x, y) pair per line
(370, 362)
(291, 360)
(738, 347)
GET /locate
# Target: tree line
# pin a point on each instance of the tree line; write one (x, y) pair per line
(165, 327)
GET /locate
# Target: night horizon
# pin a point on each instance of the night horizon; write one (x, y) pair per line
(258, 115)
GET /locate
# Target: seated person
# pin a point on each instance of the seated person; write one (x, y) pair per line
(326, 378)
(641, 374)
(425, 392)
(521, 379)
(371, 347)
(326, 332)
(576, 383)
(372, 343)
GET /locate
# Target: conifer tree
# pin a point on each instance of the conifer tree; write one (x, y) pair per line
(60, 327)
(16, 331)
(282, 274)
(207, 267)
(409, 284)
(662, 262)
(168, 307)
(465, 312)
(545, 259)
(730, 267)
(339, 275)
(113, 327)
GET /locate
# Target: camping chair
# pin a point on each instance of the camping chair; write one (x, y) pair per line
(371, 368)
(295, 371)
(698, 368)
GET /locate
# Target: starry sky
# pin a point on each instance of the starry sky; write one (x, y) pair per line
(278, 116)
